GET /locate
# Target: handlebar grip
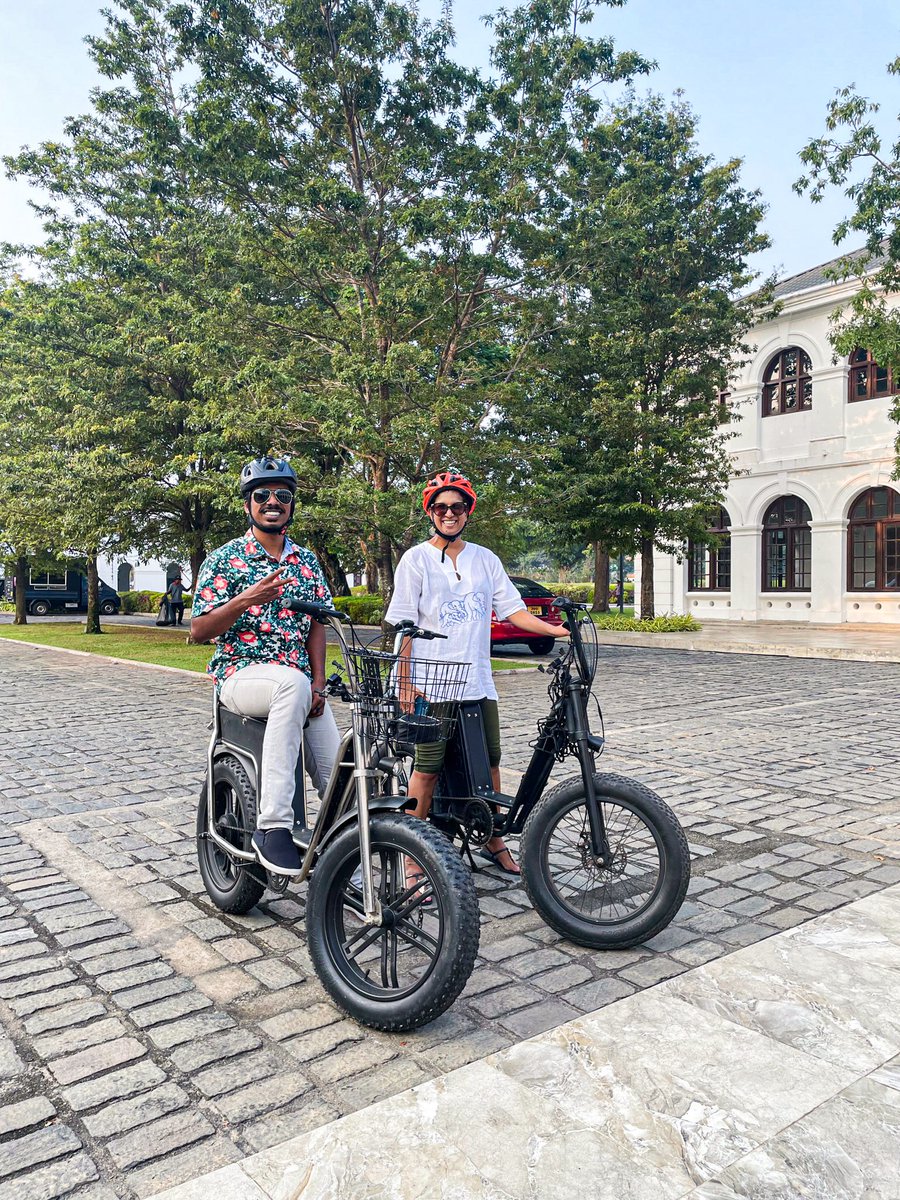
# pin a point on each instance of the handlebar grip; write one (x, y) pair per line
(318, 612)
(429, 635)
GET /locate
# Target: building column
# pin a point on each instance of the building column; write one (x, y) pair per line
(829, 554)
(745, 572)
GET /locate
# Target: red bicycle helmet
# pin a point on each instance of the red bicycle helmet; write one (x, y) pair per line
(448, 479)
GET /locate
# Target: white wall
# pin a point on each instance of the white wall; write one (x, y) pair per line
(826, 456)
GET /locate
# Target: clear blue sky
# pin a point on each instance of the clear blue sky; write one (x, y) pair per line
(758, 74)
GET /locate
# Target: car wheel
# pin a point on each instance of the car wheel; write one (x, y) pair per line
(541, 645)
(108, 607)
(40, 608)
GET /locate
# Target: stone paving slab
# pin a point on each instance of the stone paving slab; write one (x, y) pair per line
(747, 1101)
(170, 1039)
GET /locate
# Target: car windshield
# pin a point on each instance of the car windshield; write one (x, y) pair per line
(529, 590)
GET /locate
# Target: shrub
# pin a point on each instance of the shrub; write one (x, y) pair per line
(582, 593)
(146, 602)
(666, 624)
(362, 610)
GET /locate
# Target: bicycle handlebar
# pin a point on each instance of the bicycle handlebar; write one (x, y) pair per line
(318, 612)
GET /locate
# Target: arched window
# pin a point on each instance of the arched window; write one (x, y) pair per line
(124, 577)
(873, 542)
(867, 380)
(710, 566)
(787, 383)
(787, 546)
(173, 572)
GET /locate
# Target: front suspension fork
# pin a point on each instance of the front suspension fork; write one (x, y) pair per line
(364, 776)
(580, 735)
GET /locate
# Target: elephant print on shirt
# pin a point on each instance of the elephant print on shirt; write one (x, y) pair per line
(464, 609)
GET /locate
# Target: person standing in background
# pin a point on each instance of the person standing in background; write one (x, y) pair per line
(175, 596)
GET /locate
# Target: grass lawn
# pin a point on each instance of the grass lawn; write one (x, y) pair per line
(166, 647)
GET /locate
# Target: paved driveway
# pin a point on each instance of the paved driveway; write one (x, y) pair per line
(150, 1039)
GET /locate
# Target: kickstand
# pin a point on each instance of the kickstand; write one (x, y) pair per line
(465, 851)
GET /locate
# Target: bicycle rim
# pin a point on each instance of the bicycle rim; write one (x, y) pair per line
(393, 960)
(608, 895)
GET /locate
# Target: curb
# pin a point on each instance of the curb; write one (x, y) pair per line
(124, 662)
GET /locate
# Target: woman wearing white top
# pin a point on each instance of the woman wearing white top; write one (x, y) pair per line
(451, 586)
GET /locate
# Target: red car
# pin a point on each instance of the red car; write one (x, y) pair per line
(538, 600)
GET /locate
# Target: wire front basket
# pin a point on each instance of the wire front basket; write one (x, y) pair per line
(408, 701)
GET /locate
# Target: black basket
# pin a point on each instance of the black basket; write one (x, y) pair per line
(409, 701)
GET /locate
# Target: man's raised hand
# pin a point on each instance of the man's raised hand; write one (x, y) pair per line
(267, 589)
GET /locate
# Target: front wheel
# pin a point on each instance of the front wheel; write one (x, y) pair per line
(409, 969)
(40, 608)
(632, 898)
(108, 607)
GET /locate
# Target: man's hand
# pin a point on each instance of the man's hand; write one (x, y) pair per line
(318, 698)
(266, 590)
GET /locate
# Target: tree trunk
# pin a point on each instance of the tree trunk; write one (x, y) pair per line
(371, 569)
(385, 568)
(197, 557)
(92, 621)
(21, 617)
(601, 579)
(331, 567)
(647, 611)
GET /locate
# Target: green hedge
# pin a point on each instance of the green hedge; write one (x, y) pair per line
(667, 624)
(583, 593)
(146, 602)
(362, 610)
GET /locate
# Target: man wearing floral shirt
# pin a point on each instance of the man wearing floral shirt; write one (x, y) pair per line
(269, 662)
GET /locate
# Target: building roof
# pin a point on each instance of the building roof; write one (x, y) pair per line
(819, 275)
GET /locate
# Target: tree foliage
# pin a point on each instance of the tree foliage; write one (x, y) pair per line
(852, 155)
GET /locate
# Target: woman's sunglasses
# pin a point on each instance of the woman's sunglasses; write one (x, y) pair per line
(457, 509)
(282, 495)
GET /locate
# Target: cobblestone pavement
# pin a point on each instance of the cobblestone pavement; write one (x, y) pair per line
(149, 1039)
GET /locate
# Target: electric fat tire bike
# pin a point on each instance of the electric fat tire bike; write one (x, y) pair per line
(603, 859)
(391, 912)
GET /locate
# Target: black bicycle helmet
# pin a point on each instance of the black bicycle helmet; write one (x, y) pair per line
(267, 470)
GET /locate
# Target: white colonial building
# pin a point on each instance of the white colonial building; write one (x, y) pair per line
(811, 521)
(127, 573)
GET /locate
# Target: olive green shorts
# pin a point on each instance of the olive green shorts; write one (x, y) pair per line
(430, 757)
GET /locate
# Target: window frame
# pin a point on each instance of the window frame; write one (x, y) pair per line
(871, 367)
(713, 556)
(881, 525)
(803, 375)
(790, 529)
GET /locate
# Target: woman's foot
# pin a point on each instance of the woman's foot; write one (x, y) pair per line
(417, 880)
(497, 852)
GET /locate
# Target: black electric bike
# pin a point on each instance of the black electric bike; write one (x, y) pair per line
(603, 859)
(392, 913)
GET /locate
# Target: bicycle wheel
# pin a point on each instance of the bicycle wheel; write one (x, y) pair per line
(619, 905)
(228, 884)
(407, 971)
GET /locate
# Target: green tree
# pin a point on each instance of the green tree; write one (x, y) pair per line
(655, 239)
(388, 195)
(853, 156)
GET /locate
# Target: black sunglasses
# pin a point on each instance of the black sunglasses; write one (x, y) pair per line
(282, 495)
(457, 509)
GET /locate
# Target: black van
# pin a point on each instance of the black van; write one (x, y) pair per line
(65, 591)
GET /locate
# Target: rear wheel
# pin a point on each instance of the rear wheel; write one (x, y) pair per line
(541, 645)
(632, 898)
(229, 885)
(40, 608)
(408, 970)
(108, 607)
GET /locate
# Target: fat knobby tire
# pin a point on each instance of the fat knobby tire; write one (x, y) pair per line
(675, 872)
(455, 892)
(245, 891)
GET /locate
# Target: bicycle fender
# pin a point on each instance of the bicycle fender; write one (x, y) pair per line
(381, 804)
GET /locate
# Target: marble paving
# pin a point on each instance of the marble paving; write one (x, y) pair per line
(771, 1074)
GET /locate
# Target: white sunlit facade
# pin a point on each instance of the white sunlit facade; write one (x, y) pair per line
(811, 521)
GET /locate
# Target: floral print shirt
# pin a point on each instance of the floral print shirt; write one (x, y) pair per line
(266, 633)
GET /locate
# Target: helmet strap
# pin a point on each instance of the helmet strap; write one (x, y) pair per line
(447, 538)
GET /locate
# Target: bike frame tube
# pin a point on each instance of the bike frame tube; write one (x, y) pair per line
(577, 726)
